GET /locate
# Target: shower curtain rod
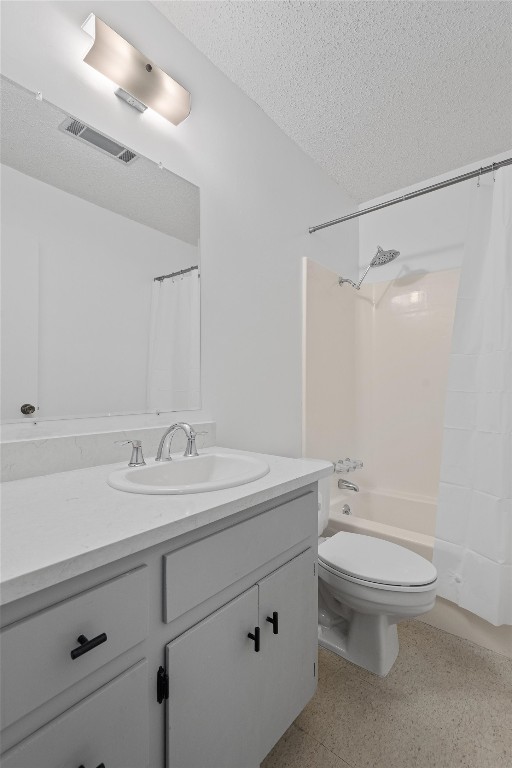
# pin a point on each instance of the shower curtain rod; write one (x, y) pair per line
(409, 196)
(175, 274)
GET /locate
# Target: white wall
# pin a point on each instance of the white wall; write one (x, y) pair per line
(259, 194)
(429, 231)
(93, 301)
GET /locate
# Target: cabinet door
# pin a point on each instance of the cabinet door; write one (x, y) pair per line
(290, 656)
(109, 727)
(213, 706)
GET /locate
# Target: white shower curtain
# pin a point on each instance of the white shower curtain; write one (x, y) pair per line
(473, 548)
(174, 350)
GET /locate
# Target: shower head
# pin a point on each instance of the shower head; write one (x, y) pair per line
(381, 257)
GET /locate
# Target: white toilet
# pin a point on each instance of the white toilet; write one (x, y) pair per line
(365, 587)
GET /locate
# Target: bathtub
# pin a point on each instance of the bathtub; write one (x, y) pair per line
(405, 520)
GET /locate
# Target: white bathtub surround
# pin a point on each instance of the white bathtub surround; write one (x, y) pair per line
(473, 549)
(84, 444)
(63, 525)
(375, 387)
(329, 383)
(174, 374)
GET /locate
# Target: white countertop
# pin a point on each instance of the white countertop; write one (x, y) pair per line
(58, 526)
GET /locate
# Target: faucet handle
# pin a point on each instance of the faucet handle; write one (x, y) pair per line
(201, 433)
(191, 446)
(137, 459)
(343, 466)
(191, 449)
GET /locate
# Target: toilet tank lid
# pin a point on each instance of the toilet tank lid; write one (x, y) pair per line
(377, 560)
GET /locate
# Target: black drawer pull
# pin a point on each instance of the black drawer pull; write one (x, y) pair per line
(86, 646)
(256, 638)
(275, 622)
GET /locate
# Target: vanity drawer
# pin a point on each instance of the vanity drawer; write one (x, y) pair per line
(109, 727)
(203, 569)
(36, 652)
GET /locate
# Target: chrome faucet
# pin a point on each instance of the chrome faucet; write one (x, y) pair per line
(346, 485)
(164, 449)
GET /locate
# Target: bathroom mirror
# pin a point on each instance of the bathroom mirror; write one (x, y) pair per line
(87, 226)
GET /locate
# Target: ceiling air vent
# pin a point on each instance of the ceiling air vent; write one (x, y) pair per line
(75, 127)
(127, 156)
(97, 140)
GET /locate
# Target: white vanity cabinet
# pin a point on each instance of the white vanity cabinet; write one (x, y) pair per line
(232, 696)
(109, 728)
(177, 682)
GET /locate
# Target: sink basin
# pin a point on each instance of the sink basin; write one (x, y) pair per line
(197, 474)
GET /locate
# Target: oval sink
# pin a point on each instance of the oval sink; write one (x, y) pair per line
(197, 474)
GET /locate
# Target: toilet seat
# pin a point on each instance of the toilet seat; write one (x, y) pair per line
(375, 562)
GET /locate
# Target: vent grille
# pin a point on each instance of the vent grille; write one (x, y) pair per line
(127, 155)
(75, 127)
(99, 141)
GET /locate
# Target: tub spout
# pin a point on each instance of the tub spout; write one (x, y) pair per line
(346, 485)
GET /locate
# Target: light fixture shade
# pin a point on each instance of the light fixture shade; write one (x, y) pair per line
(115, 58)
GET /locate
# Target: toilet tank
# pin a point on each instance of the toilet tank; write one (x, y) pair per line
(324, 500)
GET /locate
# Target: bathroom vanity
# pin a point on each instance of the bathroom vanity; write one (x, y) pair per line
(157, 631)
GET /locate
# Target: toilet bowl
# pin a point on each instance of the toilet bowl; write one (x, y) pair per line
(365, 587)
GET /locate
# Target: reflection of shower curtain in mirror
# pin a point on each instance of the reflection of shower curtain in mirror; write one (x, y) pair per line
(473, 548)
(174, 350)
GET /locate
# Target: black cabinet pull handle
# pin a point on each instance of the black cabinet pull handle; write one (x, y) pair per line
(256, 638)
(275, 622)
(86, 646)
(101, 765)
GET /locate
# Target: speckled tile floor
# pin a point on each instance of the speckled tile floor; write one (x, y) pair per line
(447, 703)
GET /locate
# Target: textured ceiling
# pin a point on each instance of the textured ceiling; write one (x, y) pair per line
(380, 94)
(32, 143)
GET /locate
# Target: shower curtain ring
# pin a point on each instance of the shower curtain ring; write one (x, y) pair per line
(479, 176)
(493, 173)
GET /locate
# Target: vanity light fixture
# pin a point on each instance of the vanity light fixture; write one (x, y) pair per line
(141, 83)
